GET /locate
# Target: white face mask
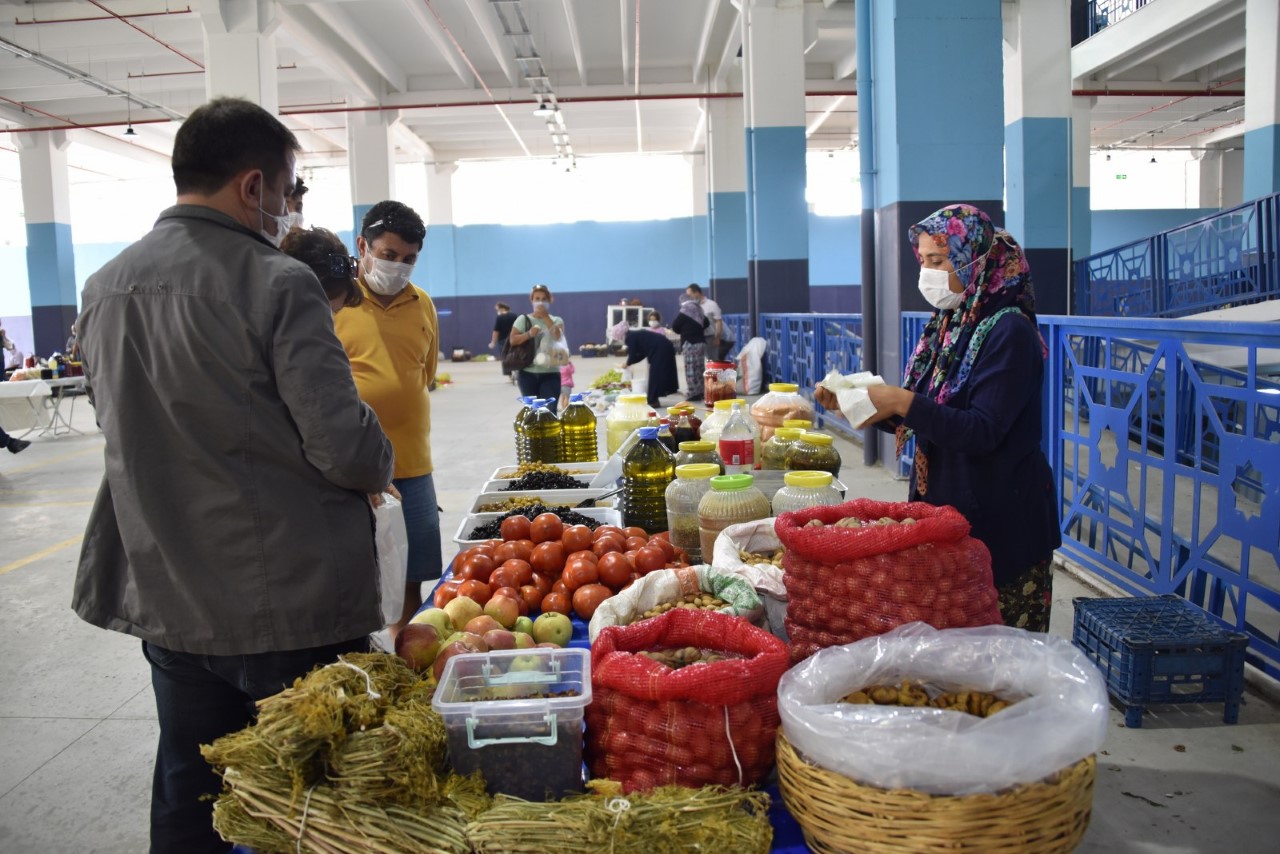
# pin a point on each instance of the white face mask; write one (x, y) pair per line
(295, 220)
(282, 226)
(540, 305)
(655, 323)
(935, 287)
(386, 277)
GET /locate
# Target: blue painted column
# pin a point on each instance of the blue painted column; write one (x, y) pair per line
(727, 204)
(777, 214)
(1081, 203)
(51, 271)
(1262, 100)
(370, 162)
(938, 137)
(1038, 143)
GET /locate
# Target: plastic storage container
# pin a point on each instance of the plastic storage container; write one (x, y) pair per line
(717, 418)
(719, 381)
(630, 412)
(737, 443)
(522, 441)
(783, 402)
(804, 489)
(504, 718)
(646, 472)
(733, 499)
(802, 423)
(544, 433)
(579, 430)
(773, 455)
(813, 452)
(699, 452)
(683, 495)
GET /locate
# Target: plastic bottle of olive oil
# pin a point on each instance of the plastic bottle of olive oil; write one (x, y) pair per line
(522, 441)
(579, 430)
(646, 472)
(545, 434)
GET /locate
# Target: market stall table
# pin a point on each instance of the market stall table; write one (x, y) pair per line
(43, 401)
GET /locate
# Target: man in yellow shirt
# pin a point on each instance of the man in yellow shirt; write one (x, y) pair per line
(392, 339)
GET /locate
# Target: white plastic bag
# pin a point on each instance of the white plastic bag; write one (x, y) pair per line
(757, 537)
(392, 541)
(1060, 716)
(750, 359)
(669, 585)
(851, 392)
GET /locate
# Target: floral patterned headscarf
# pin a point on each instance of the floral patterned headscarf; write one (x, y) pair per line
(997, 280)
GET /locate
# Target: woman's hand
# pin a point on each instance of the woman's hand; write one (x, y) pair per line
(889, 401)
(827, 398)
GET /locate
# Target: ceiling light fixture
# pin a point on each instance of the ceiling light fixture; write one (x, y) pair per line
(128, 105)
(544, 110)
(1153, 158)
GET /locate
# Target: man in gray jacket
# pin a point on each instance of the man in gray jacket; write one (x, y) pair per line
(232, 533)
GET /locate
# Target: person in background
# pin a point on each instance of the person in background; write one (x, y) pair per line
(542, 378)
(72, 350)
(231, 532)
(294, 203)
(501, 330)
(323, 251)
(658, 351)
(720, 338)
(566, 384)
(691, 325)
(971, 398)
(393, 341)
(14, 446)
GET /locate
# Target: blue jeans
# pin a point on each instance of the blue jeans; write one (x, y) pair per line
(543, 384)
(422, 524)
(200, 698)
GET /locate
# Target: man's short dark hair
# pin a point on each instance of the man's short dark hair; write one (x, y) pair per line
(694, 288)
(504, 306)
(225, 137)
(299, 190)
(395, 217)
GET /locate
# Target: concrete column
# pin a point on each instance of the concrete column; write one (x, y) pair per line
(935, 143)
(1232, 177)
(1262, 100)
(371, 163)
(700, 258)
(1210, 178)
(51, 271)
(240, 50)
(1081, 206)
(1038, 142)
(437, 272)
(777, 215)
(727, 204)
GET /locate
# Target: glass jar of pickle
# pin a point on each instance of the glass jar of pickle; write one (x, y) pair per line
(691, 453)
(630, 412)
(774, 452)
(813, 452)
(732, 500)
(804, 489)
(683, 496)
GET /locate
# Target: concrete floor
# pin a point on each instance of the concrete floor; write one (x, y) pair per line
(77, 726)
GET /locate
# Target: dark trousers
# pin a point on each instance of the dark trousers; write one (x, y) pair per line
(540, 384)
(198, 699)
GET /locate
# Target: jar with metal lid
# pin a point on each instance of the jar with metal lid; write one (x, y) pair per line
(683, 496)
(692, 453)
(813, 452)
(781, 403)
(732, 500)
(804, 489)
(774, 452)
(630, 412)
(801, 423)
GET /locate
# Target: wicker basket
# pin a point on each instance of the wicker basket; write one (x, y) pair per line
(838, 815)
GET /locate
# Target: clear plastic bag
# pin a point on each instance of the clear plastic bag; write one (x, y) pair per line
(392, 541)
(1060, 716)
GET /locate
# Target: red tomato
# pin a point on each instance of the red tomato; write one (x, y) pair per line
(605, 530)
(476, 590)
(664, 544)
(576, 538)
(477, 567)
(506, 552)
(523, 548)
(650, 558)
(589, 597)
(503, 577)
(531, 597)
(548, 557)
(545, 527)
(515, 528)
(585, 554)
(492, 544)
(633, 543)
(558, 602)
(604, 545)
(662, 535)
(445, 593)
(524, 572)
(614, 570)
(559, 587)
(582, 573)
(633, 531)
(542, 583)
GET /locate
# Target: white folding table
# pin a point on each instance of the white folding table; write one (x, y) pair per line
(31, 405)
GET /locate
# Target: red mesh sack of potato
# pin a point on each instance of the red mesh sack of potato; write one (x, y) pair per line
(847, 583)
(700, 724)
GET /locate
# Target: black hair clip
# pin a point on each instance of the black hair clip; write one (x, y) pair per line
(342, 266)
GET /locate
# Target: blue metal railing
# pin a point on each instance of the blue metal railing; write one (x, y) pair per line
(1104, 13)
(1225, 259)
(1164, 438)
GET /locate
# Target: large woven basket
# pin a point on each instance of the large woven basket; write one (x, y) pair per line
(839, 816)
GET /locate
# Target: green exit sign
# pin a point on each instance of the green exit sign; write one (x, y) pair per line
(1121, 177)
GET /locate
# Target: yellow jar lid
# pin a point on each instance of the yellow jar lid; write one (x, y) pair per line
(697, 471)
(802, 423)
(697, 447)
(633, 398)
(680, 407)
(807, 479)
(784, 387)
(789, 434)
(728, 404)
(816, 438)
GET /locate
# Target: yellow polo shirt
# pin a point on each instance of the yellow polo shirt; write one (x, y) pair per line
(394, 351)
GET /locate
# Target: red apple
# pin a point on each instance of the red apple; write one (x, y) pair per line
(502, 609)
(482, 624)
(418, 644)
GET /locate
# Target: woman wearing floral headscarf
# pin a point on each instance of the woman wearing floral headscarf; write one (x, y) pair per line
(971, 397)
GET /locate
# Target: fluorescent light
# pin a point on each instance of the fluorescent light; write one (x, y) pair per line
(545, 110)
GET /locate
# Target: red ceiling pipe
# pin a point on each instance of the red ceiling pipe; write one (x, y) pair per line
(1158, 93)
(122, 19)
(93, 126)
(186, 11)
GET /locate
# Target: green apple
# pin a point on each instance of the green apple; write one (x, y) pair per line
(552, 627)
(526, 663)
(462, 610)
(524, 641)
(437, 617)
(524, 625)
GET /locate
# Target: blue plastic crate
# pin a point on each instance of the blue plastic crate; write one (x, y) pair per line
(1161, 649)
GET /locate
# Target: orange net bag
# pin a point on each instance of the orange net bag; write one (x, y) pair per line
(706, 723)
(847, 583)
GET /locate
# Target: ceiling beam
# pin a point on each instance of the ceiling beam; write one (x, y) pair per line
(484, 20)
(1189, 34)
(626, 42)
(431, 27)
(732, 44)
(704, 40)
(1205, 53)
(334, 55)
(1096, 56)
(571, 21)
(348, 29)
(118, 145)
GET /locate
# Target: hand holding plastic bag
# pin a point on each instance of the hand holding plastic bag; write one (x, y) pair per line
(1060, 716)
(392, 541)
(851, 392)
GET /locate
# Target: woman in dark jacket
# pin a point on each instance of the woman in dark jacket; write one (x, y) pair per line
(644, 344)
(691, 325)
(971, 398)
